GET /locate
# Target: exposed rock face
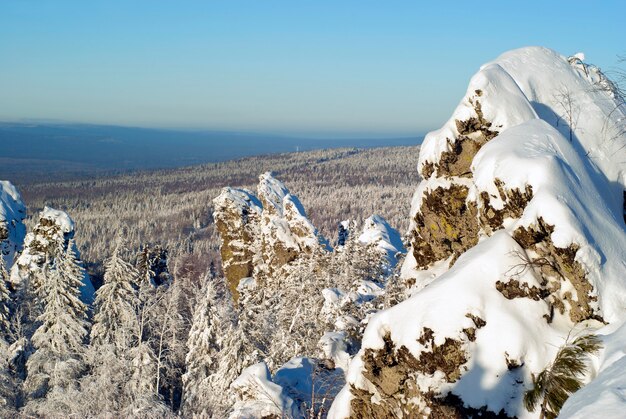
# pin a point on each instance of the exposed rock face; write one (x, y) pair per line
(514, 242)
(446, 225)
(51, 234)
(512, 201)
(262, 233)
(473, 133)
(12, 229)
(556, 265)
(237, 216)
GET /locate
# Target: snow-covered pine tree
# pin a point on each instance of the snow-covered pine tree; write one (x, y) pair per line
(296, 326)
(146, 274)
(152, 265)
(59, 341)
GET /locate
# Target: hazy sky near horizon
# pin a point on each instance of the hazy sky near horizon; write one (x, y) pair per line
(359, 67)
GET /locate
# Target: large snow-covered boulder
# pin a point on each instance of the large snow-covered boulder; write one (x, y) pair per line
(517, 242)
(53, 231)
(12, 229)
(262, 233)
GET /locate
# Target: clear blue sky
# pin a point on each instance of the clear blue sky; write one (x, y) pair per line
(298, 67)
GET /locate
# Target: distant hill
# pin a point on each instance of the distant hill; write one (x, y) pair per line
(32, 152)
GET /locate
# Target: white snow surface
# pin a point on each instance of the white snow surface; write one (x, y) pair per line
(12, 215)
(577, 187)
(259, 396)
(285, 218)
(242, 199)
(273, 191)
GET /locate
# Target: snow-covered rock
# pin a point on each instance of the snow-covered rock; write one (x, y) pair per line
(378, 232)
(262, 233)
(517, 241)
(12, 229)
(237, 214)
(259, 397)
(53, 231)
(302, 387)
(335, 348)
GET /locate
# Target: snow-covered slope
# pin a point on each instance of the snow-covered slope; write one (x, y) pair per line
(12, 229)
(517, 242)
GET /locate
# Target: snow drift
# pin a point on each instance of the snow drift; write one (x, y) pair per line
(517, 243)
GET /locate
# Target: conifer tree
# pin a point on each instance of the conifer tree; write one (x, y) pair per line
(5, 302)
(57, 361)
(113, 335)
(170, 330)
(7, 383)
(200, 359)
(218, 351)
(115, 317)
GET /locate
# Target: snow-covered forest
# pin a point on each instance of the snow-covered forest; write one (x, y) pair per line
(489, 282)
(162, 312)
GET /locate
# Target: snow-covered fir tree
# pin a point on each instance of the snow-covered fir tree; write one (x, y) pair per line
(115, 317)
(218, 351)
(59, 342)
(201, 356)
(5, 302)
(8, 390)
(112, 338)
(152, 265)
(169, 330)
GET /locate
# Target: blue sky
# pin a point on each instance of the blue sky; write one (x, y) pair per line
(345, 68)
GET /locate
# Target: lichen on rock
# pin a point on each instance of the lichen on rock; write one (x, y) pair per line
(445, 225)
(392, 373)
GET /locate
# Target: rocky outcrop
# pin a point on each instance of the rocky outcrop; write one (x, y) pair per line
(12, 229)
(378, 233)
(237, 215)
(516, 239)
(52, 234)
(262, 233)
(446, 225)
